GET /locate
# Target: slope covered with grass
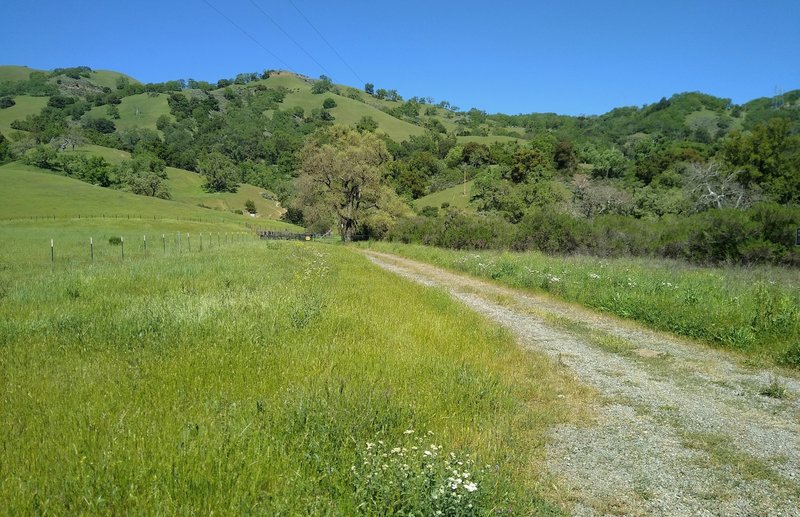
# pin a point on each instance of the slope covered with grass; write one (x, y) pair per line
(15, 72)
(31, 192)
(140, 110)
(453, 195)
(25, 105)
(108, 78)
(347, 111)
(187, 187)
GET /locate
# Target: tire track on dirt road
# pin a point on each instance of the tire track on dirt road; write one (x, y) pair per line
(681, 430)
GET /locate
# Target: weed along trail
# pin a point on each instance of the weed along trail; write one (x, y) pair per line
(680, 429)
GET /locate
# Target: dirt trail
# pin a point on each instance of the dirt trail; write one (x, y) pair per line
(681, 430)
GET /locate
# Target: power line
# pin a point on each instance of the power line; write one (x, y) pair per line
(270, 18)
(326, 41)
(268, 51)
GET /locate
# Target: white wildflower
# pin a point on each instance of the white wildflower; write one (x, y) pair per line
(470, 487)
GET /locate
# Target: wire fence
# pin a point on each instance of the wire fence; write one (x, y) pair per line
(130, 217)
(121, 248)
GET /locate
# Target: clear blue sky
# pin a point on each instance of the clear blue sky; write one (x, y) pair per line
(571, 56)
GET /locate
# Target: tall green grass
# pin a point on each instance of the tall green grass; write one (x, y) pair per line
(754, 311)
(253, 380)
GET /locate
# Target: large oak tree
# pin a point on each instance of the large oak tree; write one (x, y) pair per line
(342, 181)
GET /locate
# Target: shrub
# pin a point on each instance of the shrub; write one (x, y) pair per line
(6, 102)
(250, 206)
(328, 103)
(549, 231)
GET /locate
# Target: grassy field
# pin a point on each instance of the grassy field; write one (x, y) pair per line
(187, 187)
(25, 105)
(453, 195)
(261, 377)
(140, 110)
(753, 311)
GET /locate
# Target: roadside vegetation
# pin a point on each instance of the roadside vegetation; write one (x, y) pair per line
(752, 311)
(270, 377)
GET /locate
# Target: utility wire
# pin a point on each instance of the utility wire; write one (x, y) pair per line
(270, 18)
(268, 51)
(325, 40)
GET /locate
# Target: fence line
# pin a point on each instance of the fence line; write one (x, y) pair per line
(120, 216)
(137, 248)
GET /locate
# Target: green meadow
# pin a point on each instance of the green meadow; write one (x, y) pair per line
(754, 311)
(267, 377)
(247, 376)
(454, 196)
(140, 110)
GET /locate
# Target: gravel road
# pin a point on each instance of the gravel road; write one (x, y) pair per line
(680, 429)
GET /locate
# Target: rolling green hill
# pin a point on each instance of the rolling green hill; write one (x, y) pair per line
(25, 105)
(186, 187)
(140, 110)
(108, 78)
(15, 73)
(347, 111)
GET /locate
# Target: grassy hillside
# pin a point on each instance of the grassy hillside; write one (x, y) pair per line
(453, 195)
(25, 105)
(108, 78)
(137, 111)
(30, 192)
(347, 111)
(187, 187)
(15, 73)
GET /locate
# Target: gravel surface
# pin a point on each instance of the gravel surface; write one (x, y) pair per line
(681, 430)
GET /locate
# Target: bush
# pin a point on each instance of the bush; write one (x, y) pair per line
(6, 102)
(549, 231)
(101, 125)
(328, 103)
(250, 206)
(115, 241)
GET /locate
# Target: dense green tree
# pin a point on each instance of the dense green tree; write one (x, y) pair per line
(341, 181)
(366, 124)
(768, 158)
(100, 124)
(220, 172)
(322, 85)
(565, 158)
(144, 175)
(369, 88)
(5, 149)
(6, 102)
(329, 103)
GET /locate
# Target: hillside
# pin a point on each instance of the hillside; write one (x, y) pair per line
(140, 110)
(187, 187)
(31, 192)
(25, 106)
